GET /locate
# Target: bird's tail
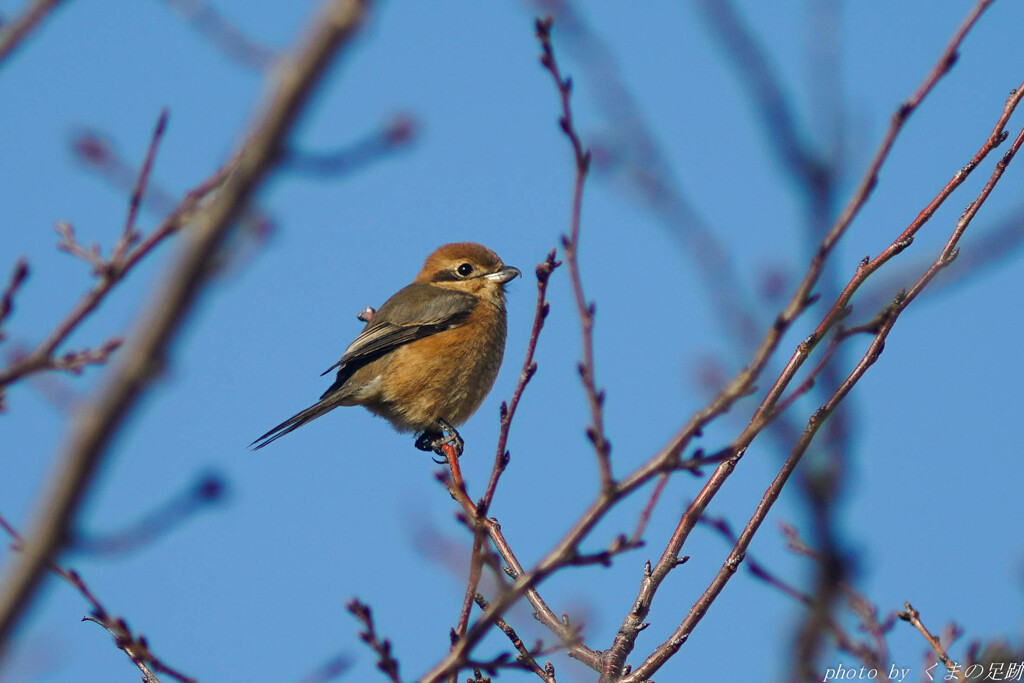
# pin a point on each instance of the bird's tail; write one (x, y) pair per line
(295, 421)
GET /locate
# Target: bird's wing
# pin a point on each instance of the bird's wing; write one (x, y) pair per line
(414, 312)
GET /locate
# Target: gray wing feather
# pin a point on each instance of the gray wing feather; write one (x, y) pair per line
(414, 312)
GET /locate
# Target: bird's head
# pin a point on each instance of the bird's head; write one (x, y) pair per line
(467, 267)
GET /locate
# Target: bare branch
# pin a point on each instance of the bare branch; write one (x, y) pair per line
(948, 253)
(128, 234)
(912, 616)
(223, 35)
(134, 645)
(125, 255)
(399, 132)
(385, 660)
(207, 490)
(144, 355)
(18, 276)
(508, 411)
(570, 244)
(526, 657)
(14, 32)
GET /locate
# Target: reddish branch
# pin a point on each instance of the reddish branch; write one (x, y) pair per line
(507, 412)
(633, 155)
(476, 516)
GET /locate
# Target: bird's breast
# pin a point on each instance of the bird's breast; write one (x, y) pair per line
(446, 375)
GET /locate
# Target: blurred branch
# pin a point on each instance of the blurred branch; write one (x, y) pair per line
(18, 276)
(135, 646)
(223, 35)
(208, 490)
(860, 606)
(145, 353)
(12, 33)
(750, 64)
(398, 133)
(333, 668)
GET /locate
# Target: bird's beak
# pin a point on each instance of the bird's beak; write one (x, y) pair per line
(504, 275)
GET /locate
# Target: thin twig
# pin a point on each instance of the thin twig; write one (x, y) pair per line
(525, 657)
(645, 514)
(386, 662)
(476, 567)
(570, 245)
(129, 236)
(913, 617)
(508, 411)
(18, 276)
(109, 272)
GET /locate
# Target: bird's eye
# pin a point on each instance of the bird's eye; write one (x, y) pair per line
(464, 270)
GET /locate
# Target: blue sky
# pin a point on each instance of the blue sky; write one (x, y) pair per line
(254, 587)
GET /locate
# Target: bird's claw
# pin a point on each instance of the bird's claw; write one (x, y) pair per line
(435, 441)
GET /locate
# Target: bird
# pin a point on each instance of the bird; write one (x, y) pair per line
(429, 355)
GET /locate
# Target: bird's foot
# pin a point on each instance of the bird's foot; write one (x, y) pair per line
(435, 440)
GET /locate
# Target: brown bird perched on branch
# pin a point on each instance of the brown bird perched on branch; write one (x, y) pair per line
(427, 358)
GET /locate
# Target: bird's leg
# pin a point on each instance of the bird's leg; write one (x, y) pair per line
(453, 437)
